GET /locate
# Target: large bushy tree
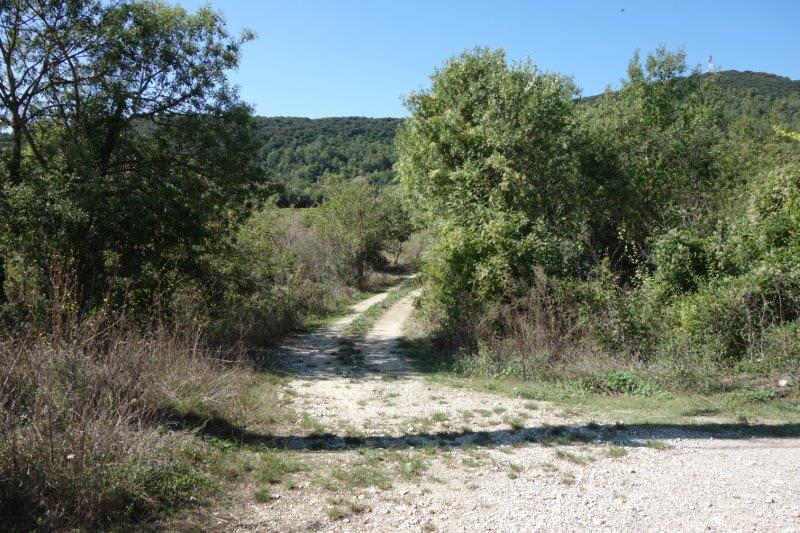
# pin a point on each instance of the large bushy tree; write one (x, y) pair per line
(129, 152)
(648, 156)
(487, 155)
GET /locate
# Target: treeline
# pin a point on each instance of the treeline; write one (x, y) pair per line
(143, 266)
(647, 231)
(299, 153)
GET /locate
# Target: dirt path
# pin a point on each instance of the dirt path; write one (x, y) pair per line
(393, 452)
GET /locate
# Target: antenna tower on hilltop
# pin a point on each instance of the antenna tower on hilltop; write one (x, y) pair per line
(710, 67)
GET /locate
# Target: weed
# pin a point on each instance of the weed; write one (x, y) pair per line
(439, 417)
(471, 462)
(262, 495)
(357, 508)
(362, 476)
(309, 422)
(700, 411)
(335, 512)
(549, 467)
(428, 527)
(273, 467)
(514, 470)
(616, 452)
(571, 457)
(657, 445)
(516, 423)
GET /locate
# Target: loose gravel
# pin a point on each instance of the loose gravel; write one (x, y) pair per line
(493, 463)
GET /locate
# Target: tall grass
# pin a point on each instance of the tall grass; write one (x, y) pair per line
(81, 439)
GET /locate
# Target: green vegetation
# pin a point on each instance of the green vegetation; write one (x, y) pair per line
(300, 154)
(639, 244)
(143, 269)
(634, 253)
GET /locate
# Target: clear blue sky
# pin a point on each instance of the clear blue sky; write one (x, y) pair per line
(347, 57)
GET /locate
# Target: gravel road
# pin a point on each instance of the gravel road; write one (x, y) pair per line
(493, 463)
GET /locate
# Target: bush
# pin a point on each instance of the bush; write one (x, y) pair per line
(358, 223)
(730, 316)
(276, 274)
(681, 261)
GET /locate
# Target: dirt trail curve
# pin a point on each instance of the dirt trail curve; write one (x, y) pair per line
(481, 462)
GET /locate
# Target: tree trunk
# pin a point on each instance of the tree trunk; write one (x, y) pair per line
(15, 164)
(2, 281)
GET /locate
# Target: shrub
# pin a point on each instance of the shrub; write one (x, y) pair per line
(731, 316)
(619, 382)
(681, 261)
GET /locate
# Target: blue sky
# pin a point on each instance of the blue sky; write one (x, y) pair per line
(359, 58)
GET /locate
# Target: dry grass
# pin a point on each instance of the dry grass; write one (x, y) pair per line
(82, 436)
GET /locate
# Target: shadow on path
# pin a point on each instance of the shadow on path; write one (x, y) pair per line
(633, 435)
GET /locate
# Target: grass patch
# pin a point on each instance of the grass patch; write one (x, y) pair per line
(361, 325)
(310, 423)
(568, 479)
(262, 495)
(273, 466)
(374, 468)
(363, 476)
(622, 396)
(615, 452)
(439, 417)
(570, 457)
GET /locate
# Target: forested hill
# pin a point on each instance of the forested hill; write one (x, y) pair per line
(755, 94)
(761, 83)
(762, 95)
(299, 152)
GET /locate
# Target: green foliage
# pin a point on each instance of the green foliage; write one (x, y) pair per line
(741, 282)
(485, 155)
(619, 382)
(299, 153)
(133, 158)
(358, 222)
(682, 262)
(653, 228)
(648, 157)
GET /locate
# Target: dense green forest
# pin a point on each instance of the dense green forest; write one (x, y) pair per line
(298, 153)
(646, 239)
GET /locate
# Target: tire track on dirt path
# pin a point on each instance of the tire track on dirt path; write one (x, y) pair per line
(399, 453)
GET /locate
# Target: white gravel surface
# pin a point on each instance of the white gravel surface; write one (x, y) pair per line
(496, 468)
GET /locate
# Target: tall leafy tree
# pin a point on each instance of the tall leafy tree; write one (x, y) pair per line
(136, 150)
(486, 155)
(648, 156)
